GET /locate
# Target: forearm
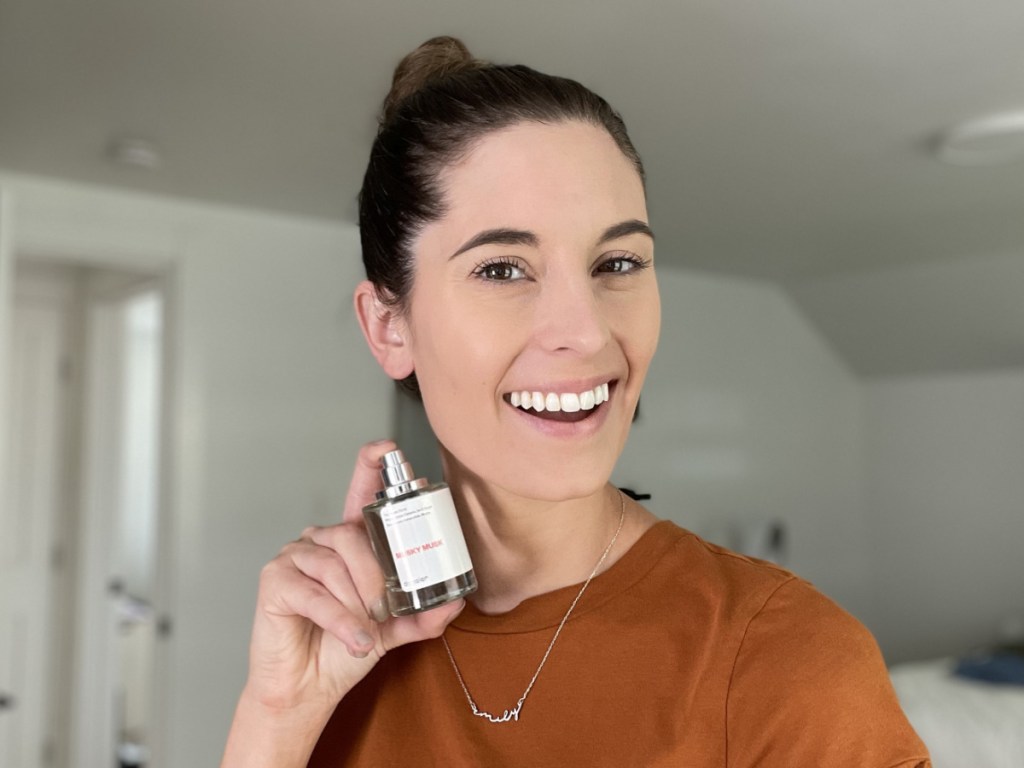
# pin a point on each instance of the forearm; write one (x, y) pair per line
(264, 736)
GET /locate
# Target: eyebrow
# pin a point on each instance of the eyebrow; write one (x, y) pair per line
(631, 227)
(502, 236)
(506, 236)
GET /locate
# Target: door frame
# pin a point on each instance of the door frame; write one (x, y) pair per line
(162, 267)
(93, 728)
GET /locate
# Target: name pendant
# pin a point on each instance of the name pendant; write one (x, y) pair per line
(505, 717)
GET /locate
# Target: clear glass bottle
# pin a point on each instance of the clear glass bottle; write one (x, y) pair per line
(416, 536)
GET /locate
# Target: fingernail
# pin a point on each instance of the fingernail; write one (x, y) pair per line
(379, 611)
(363, 638)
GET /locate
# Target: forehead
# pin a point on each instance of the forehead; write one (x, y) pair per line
(562, 180)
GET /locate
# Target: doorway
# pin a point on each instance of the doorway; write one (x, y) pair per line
(80, 543)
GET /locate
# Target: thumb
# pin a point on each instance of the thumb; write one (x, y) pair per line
(420, 626)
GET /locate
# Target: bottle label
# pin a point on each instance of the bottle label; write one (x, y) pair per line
(425, 539)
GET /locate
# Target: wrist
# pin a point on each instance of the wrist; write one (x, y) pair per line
(264, 734)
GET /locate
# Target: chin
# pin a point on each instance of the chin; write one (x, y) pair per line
(556, 489)
(542, 479)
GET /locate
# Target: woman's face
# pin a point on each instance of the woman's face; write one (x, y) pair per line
(537, 288)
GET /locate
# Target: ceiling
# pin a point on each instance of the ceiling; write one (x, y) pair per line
(789, 140)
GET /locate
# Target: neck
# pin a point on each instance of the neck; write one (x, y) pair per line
(525, 547)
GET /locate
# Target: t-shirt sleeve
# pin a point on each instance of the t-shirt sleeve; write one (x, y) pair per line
(809, 687)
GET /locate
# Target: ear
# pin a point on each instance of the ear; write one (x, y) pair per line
(385, 330)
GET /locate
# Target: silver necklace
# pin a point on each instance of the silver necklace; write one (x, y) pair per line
(513, 714)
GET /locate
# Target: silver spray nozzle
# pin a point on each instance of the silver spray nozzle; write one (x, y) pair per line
(398, 476)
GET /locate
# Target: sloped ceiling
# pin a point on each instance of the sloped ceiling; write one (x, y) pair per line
(947, 316)
(788, 141)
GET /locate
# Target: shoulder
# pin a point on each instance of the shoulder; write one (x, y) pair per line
(763, 601)
(805, 680)
(809, 686)
(738, 586)
(802, 650)
(767, 622)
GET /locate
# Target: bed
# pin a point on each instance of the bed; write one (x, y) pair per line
(966, 723)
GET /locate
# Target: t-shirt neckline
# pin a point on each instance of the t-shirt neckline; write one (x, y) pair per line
(546, 611)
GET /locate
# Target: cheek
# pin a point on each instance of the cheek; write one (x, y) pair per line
(653, 330)
(638, 327)
(461, 327)
(459, 358)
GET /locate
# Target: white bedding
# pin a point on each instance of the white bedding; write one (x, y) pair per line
(965, 723)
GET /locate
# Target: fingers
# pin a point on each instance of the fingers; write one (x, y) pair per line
(328, 584)
(296, 594)
(365, 479)
(351, 545)
(331, 577)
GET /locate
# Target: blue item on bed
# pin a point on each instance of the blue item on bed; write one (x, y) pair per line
(1003, 667)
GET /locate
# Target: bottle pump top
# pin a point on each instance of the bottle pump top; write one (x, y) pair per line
(398, 476)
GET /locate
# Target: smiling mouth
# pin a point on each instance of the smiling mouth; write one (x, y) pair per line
(561, 406)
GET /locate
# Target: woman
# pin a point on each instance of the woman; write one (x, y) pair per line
(511, 285)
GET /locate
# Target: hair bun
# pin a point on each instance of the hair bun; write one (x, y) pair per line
(435, 59)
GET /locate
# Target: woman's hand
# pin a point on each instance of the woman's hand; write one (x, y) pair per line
(321, 625)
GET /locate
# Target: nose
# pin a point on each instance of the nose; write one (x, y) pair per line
(569, 317)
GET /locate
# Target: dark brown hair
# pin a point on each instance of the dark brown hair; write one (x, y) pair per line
(442, 101)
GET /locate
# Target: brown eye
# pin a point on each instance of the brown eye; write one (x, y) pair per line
(500, 271)
(622, 264)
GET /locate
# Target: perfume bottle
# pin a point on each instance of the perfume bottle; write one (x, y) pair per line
(416, 537)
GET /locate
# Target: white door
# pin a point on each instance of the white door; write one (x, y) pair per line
(32, 502)
(78, 514)
(7, 700)
(116, 645)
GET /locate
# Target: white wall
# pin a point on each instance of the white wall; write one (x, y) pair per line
(946, 501)
(276, 394)
(272, 390)
(748, 415)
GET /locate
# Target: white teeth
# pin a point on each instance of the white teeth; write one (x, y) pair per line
(587, 400)
(570, 402)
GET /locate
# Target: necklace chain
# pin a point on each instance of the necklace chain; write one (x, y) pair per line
(513, 714)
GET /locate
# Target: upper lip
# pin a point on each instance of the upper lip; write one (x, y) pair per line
(576, 386)
(572, 386)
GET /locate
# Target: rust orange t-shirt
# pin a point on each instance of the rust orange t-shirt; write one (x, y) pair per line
(680, 654)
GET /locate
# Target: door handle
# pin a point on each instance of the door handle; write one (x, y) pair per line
(6, 701)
